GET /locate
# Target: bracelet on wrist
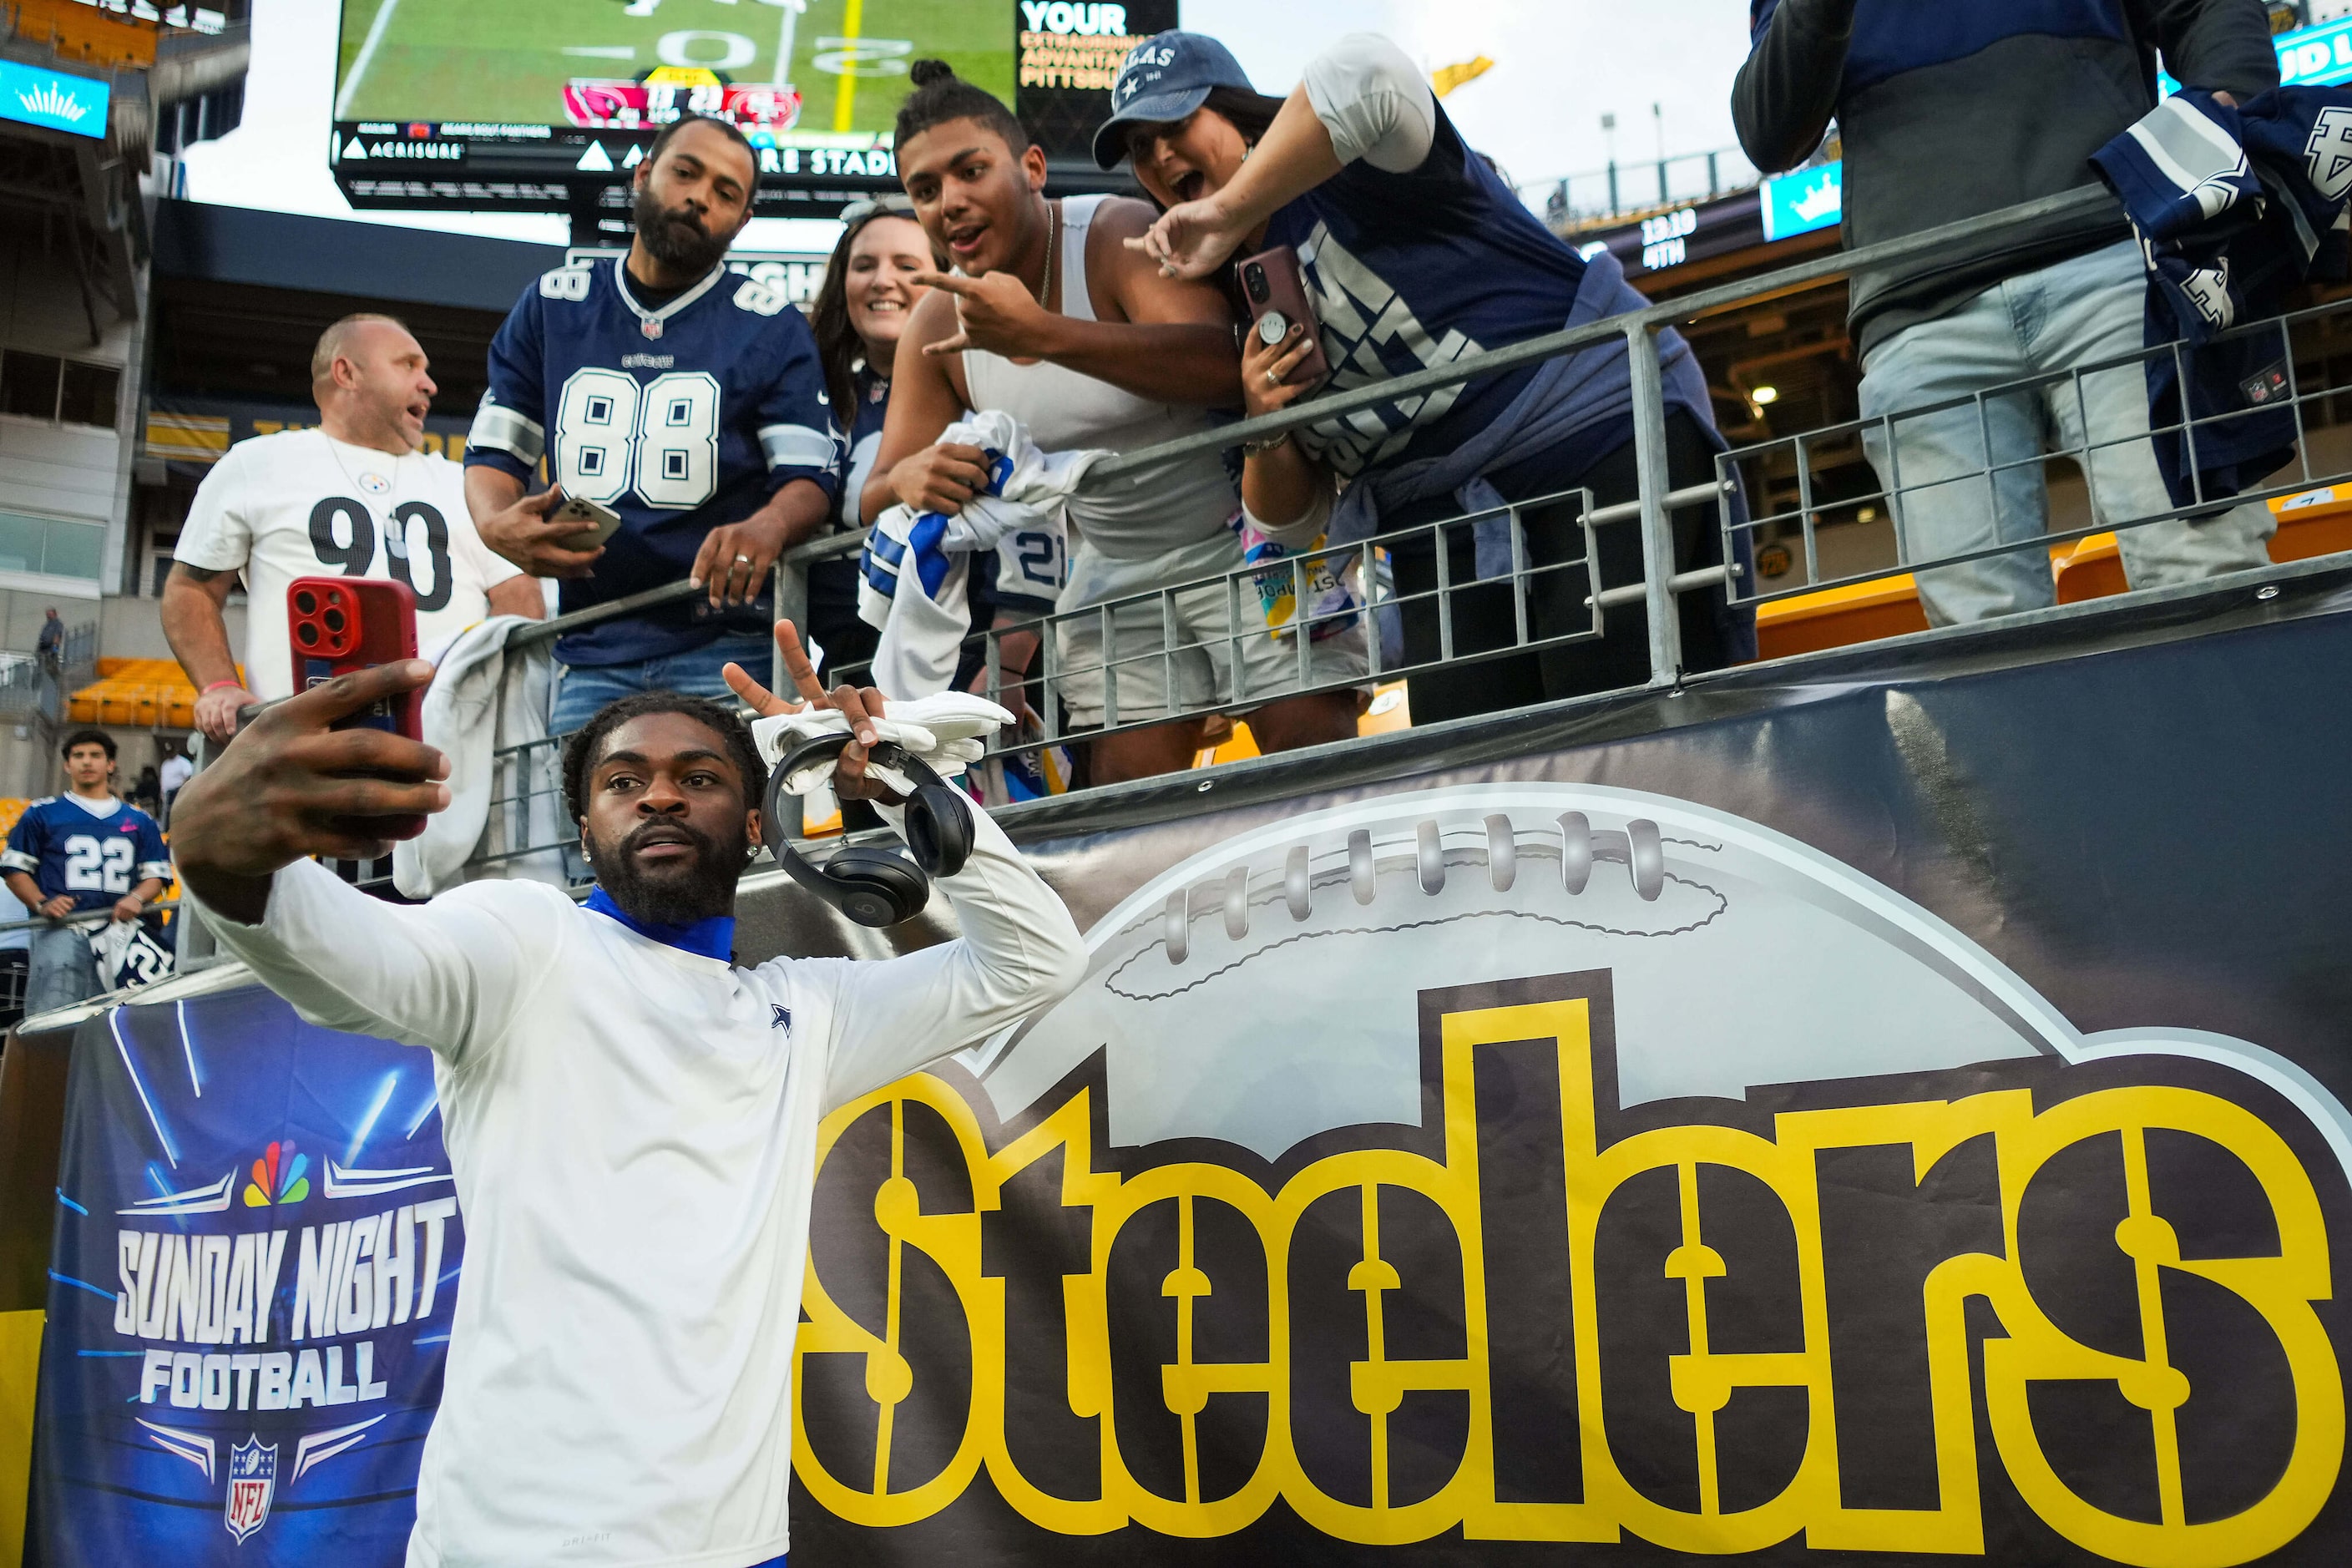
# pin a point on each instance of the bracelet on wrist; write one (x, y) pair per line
(221, 686)
(1259, 448)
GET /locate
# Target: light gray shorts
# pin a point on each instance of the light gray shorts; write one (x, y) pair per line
(1193, 650)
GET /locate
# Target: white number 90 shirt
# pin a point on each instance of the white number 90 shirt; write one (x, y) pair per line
(301, 504)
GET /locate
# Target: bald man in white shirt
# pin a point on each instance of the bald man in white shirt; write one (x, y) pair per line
(357, 497)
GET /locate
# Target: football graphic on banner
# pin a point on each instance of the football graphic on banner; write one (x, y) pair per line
(1547, 1162)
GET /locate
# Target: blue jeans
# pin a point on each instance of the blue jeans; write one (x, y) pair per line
(585, 687)
(60, 970)
(1948, 486)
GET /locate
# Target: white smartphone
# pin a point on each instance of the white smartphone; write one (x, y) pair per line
(597, 522)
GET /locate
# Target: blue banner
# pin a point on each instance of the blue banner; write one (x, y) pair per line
(53, 99)
(1802, 202)
(255, 1270)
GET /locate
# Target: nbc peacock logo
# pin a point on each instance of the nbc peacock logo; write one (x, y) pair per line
(51, 100)
(280, 1171)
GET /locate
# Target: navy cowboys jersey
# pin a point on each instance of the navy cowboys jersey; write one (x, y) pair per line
(681, 419)
(1448, 243)
(92, 858)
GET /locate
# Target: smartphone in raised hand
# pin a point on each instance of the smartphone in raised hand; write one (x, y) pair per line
(337, 625)
(1277, 298)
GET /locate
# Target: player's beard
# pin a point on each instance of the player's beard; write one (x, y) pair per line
(701, 888)
(675, 238)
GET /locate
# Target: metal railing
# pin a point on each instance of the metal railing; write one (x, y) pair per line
(1619, 190)
(38, 682)
(2008, 496)
(1545, 588)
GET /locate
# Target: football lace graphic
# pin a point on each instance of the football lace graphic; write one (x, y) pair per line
(1437, 859)
(1267, 989)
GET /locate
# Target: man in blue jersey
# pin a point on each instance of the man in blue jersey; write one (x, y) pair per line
(690, 401)
(1950, 112)
(76, 852)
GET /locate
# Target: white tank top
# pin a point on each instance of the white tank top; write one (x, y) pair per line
(1138, 517)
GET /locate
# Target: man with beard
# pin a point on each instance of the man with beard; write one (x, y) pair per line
(690, 401)
(630, 1121)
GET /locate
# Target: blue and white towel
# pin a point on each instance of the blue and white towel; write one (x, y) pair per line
(915, 572)
(2233, 204)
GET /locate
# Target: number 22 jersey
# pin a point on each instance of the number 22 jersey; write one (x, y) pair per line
(681, 417)
(93, 851)
(303, 504)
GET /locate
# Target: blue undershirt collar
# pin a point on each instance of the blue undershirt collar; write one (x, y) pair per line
(710, 938)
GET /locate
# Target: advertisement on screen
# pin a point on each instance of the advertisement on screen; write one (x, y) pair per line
(443, 102)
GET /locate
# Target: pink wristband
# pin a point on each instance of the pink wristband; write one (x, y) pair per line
(221, 685)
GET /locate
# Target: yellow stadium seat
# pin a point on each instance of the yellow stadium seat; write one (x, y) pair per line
(136, 693)
(2316, 523)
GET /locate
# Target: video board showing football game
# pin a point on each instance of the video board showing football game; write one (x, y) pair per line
(550, 105)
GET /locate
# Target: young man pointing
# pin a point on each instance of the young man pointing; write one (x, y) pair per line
(632, 1121)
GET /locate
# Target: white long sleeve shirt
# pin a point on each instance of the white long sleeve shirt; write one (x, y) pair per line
(632, 1131)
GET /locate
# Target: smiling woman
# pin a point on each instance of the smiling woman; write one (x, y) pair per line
(869, 291)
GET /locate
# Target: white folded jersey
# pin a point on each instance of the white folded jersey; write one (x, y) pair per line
(303, 504)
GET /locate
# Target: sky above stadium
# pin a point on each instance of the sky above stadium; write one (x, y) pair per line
(1561, 65)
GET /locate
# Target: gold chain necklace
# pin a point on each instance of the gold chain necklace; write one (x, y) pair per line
(1045, 273)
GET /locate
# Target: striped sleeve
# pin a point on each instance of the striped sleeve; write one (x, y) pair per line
(24, 851)
(796, 426)
(155, 860)
(509, 429)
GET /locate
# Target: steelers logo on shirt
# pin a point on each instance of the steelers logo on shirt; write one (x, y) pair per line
(374, 484)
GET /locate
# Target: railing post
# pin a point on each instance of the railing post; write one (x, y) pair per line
(792, 604)
(192, 941)
(1657, 525)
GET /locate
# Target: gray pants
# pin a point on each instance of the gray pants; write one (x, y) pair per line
(61, 970)
(1944, 491)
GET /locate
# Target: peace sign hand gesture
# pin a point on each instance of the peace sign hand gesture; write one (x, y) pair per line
(861, 708)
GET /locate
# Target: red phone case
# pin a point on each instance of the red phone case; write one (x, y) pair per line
(1283, 291)
(336, 626)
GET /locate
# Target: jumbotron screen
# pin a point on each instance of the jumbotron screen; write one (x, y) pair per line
(548, 106)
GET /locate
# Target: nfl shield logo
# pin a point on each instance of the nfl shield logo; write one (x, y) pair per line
(252, 1479)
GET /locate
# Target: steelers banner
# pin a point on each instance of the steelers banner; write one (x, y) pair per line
(1501, 1164)
(253, 1273)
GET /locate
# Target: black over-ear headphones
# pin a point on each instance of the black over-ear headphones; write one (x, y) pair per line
(873, 885)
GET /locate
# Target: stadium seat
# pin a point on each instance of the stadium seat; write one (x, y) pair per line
(1836, 617)
(138, 693)
(81, 32)
(2316, 523)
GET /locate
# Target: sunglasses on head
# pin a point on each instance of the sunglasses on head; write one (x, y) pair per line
(877, 206)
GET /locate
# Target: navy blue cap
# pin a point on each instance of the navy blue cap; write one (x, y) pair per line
(1162, 79)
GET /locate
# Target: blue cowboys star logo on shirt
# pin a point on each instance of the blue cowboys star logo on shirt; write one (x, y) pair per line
(781, 1016)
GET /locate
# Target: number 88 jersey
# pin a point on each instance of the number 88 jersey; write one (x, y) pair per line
(681, 418)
